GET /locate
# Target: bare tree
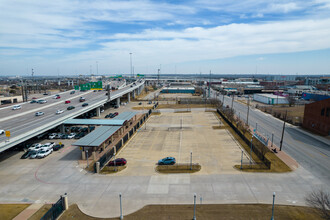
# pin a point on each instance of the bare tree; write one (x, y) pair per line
(291, 100)
(320, 200)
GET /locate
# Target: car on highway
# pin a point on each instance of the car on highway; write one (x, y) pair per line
(70, 108)
(45, 93)
(52, 136)
(82, 99)
(118, 162)
(41, 101)
(39, 113)
(85, 104)
(2, 131)
(58, 146)
(70, 136)
(16, 107)
(67, 102)
(72, 92)
(167, 161)
(59, 111)
(57, 97)
(33, 101)
(44, 153)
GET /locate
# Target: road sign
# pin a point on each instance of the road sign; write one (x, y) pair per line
(96, 85)
(60, 143)
(76, 87)
(7, 133)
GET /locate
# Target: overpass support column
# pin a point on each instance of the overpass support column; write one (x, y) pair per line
(129, 97)
(98, 111)
(118, 101)
(133, 94)
(83, 155)
(62, 129)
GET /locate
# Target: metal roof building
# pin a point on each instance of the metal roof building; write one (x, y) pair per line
(119, 121)
(97, 137)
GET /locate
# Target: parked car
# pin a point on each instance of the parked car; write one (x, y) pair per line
(35, 147)
(39, 113)
(118, 162)
(34, 98)
(44, 153)
(59, 112)
(116, 106)
(45, 93)
(140, 103)
(58, 146)
(48, 146)
(116, 113)
(64, 136)
(41, 101)
(167, 161)
(34, 154)
(16, 107)
(82, 99)
(70, 108)
(85, 104)
(52, 136)
(70, 136)
(111, 115)
(33, 101)
(2, 131)
(58, 135)
(27, 154)
(40, 136)
(72, 92)
(67, 102)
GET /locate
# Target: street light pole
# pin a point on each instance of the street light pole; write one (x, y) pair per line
(281, 142)
(130, 54)
(247, 116)
(194, 218)
(272, 218)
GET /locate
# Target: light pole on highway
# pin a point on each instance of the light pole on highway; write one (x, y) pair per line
(232, 102)
(251, 151)
(130, 54)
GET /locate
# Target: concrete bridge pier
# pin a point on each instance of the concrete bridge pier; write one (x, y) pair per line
(98, 111)
(118, 101)
(129, 97)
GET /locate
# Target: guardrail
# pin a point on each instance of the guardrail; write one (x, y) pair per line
(23, 137)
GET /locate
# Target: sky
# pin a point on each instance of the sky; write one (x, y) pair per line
(176, 36)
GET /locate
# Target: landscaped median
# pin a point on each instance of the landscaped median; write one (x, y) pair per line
(264, 159)
(208, 211)
(112, 169)
(179, 168)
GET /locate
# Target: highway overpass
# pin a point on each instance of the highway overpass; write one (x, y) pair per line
(23, 124)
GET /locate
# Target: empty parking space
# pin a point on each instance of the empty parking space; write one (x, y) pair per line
(176, 135)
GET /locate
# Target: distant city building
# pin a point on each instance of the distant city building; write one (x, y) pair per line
(317, 117)
(178, 90)
(270, 99)
(281, 78)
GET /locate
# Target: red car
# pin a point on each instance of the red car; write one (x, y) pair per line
(58, 97)
(119, 162)
(34, 98)
(116, 113)
(67, 101)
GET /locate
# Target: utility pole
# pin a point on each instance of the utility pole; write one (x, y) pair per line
(281, 142)
(232, 101)
(158, 76)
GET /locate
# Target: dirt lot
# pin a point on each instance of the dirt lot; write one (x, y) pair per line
(162, 136)
(237, 212)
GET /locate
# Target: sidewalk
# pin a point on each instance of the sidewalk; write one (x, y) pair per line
(29, 211)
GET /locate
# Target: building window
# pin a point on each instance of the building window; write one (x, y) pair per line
(322, 111)
(328, 112)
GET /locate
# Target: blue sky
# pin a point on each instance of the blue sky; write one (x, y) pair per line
(225, 36)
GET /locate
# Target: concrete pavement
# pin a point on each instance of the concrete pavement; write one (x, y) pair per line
(44, 180)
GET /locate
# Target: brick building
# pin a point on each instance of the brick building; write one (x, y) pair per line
(317, 117)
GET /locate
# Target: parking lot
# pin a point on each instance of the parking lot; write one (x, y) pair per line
(164, 136)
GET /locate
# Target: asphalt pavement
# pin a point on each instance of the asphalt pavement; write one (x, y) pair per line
(309, 150)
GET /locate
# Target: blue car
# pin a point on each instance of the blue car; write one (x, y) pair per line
(167, 161)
